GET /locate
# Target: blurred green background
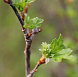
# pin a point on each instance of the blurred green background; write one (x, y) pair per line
(60, 16)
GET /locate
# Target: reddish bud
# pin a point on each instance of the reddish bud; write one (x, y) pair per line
(22, 16)
(40, 30)
(26, 9)
(7, 1)
(30, 31)
(29, 34)
(42, 60)
(35, 70)
(29, 5)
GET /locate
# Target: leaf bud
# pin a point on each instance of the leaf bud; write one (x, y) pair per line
(29, 5)
(42, 60)
(40, 30)
(7, 1)
(26, 9)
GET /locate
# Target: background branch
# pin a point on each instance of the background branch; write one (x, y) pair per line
(40, 62)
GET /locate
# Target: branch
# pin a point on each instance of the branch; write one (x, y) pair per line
(18, 15)
(10, 2)
(27, 57)
(28, 38)
(40, 62)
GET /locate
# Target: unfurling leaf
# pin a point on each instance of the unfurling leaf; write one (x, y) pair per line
(57, 44)
(21, 4)
(32, 23)
(17, 1)
(63, 54)
(56, 50)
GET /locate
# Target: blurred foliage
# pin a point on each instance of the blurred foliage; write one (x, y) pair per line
(60, 16)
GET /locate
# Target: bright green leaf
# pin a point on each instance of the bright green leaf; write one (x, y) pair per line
(33, 23)
(27, 19)
(29, 1)
(63, 54)
(56, 50)
(21, 4)
(17, 1)
(57, 45)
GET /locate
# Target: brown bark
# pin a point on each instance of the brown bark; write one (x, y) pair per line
(28, 39)
(27, 57)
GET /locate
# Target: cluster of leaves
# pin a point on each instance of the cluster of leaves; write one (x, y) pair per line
(29, 23)
(32, 23)
(21, 4)
(56, 50)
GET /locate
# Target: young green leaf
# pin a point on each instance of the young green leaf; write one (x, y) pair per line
(57, 45)
(17, 1)
(63, 54)
(56, 50)
(29, 1)
(46, 50)
(27, 19)
(33, 23)
(21, 4)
